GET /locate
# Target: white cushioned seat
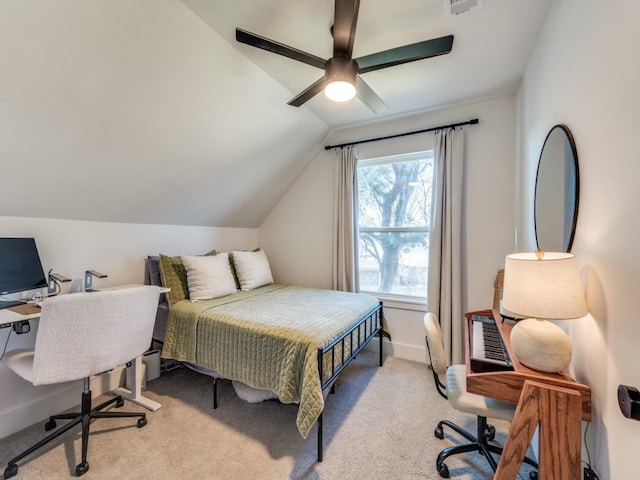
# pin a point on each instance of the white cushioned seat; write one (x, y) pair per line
(464, 401)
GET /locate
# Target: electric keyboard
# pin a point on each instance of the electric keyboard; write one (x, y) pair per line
(487, 351)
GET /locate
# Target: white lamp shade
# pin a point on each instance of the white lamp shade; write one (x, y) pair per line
(546, 288)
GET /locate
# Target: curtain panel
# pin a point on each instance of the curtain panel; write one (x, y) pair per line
(345, 222)
(444, 297)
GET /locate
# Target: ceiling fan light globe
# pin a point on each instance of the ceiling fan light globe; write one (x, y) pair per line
(340, 91)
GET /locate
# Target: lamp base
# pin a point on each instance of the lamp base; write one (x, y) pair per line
(541, 345)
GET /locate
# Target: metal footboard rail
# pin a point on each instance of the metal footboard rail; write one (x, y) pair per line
(356, 338)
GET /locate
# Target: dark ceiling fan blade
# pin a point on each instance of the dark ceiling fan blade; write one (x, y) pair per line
(408, 53)
(369, 97)
(257, 41)
(344, 27)
(308, 94)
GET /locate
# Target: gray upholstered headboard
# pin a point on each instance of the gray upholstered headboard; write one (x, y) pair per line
(152, 277)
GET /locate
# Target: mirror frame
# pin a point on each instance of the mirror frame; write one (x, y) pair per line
(576, 201)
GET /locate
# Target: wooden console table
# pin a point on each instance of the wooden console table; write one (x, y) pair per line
(553, 401)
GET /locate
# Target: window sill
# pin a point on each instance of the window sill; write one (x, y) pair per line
(417, 305)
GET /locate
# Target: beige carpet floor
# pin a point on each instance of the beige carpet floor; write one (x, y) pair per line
(378, 425)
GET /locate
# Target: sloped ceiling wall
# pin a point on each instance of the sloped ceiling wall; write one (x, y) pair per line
(138, 112)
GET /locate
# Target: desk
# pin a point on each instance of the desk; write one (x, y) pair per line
(554, 401)
(133, 392)
(8, 317)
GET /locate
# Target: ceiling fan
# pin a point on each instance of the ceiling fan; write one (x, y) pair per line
(342, 78)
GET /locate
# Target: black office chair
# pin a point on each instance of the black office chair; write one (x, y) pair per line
(81, 335)
(454, 389)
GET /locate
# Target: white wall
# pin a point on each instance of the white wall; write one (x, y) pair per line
(584, 73)
(297, 233)
(117, 249)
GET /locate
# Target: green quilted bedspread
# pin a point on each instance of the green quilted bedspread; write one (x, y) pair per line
(267, 338)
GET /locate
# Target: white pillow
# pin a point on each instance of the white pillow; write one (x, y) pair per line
(252, 269)
(208, 276)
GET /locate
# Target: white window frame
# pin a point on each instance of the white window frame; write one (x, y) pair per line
(405, 302)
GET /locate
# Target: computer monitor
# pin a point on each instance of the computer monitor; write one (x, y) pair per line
(20, 267)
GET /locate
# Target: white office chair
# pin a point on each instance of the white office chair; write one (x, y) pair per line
(81, 335)
(455, 390)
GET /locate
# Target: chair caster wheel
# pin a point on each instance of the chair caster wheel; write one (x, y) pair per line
(82, 468)
(50, 425)
(533, 475)
(439, 432)
(443, 470)
(11, 471)
(489, 432)
(142, 421)
(119, 402)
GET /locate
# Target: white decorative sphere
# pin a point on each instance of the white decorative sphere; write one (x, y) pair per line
(541, 345)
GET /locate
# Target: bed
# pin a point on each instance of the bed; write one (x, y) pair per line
(289, 340)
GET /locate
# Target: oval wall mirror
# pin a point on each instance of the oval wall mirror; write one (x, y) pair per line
(557, 192)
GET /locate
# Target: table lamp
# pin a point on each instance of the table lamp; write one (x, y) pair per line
(541, 286)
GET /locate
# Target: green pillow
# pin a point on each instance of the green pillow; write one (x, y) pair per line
(174, 276)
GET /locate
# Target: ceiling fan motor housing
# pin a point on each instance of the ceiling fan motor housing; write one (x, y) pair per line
(340, 69)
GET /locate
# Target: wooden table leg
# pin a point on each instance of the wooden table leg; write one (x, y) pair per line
(558, 412)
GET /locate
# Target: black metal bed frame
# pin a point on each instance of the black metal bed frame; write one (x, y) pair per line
(356, 338)
(362, 332)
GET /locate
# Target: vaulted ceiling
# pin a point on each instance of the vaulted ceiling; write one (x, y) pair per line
(151, 112)
(490, 50)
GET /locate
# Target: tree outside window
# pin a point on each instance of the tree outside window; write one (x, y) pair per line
(394, 215)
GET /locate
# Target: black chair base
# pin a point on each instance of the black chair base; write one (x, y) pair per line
(479, 443)
(85, 418)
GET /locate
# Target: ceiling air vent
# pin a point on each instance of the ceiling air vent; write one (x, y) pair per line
(456, 7)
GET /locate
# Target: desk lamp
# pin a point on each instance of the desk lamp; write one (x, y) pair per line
(53, 283)
(541, 286)
(88, 279)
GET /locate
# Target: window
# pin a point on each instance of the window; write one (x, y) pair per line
(394, 215)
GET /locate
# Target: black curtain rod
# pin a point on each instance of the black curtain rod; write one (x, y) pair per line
(453, 125)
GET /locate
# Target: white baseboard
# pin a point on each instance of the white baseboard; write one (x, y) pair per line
(400, 350)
